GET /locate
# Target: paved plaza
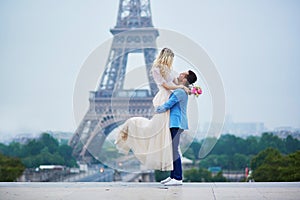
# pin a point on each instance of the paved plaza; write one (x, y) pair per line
(147, 191)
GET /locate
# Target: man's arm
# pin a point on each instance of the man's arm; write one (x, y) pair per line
(175, 98)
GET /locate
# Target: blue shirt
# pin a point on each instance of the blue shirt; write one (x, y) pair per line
(177, 104)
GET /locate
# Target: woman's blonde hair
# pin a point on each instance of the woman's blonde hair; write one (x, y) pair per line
(165, 58)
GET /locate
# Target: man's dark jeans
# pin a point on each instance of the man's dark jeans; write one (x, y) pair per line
(176, 173)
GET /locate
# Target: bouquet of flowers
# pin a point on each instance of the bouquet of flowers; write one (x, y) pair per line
(196, 90)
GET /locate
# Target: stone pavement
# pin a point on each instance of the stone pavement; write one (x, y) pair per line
(147, 191)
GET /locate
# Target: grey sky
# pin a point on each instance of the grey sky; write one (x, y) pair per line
(254, 44)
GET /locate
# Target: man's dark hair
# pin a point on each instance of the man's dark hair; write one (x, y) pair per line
(191, 77)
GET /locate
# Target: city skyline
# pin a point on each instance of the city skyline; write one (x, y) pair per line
(254, 45)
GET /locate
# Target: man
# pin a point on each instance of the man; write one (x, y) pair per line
(177, 104)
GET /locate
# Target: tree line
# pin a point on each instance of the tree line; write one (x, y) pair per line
(44, 150)
(235, 153)
(271, 158)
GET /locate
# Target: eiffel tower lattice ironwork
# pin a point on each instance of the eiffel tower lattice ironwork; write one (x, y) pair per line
(111, 104)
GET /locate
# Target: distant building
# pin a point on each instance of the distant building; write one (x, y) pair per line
(285, 131)
(244, 129)
(24, 137)
(62, 137)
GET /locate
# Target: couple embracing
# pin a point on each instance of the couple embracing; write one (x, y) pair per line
(155, 141)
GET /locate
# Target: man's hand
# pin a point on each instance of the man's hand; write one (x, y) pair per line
(160, 109)
(187, 90)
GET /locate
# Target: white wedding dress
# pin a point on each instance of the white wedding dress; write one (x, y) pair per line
(150, 139)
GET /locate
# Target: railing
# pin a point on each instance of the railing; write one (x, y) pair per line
(140, 93)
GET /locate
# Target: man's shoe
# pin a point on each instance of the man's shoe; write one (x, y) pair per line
(173, 182)
(165, 180)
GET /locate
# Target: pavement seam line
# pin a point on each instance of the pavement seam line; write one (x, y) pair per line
(213, 191)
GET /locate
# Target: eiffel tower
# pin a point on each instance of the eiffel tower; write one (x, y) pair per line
(111, 104)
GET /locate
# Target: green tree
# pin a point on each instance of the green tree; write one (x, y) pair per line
(290, 171)
(65, 152)
(268, 140)
(192, 175)
(291, 144)
(3, 149)
(270, 165)
(267, 155)
(195, 146)
(240, 161)
(189, 154)
(15, 149)
(219, 177)
(214, 160)
(33, 147)
(48, 141)
(10, 168)
(252, 145)
(229, 145)
(197, 175)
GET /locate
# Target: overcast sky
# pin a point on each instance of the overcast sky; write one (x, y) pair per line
(254, 44)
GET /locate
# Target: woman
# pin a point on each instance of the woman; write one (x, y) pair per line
(150, 140)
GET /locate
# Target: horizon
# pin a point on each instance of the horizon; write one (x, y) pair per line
(7, 138)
